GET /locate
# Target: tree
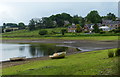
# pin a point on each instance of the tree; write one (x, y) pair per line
(110, 16)
(60, 18)
(82, 22)
(94, 17)
(47, 22)
(76, 19)
(31, 25)
(4, 24)
(11, 24)
(78, 28)
(63, 31)
(96, 28)
(66, 17)
(21, 25)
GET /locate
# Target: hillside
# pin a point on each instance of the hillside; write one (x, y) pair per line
(55, 33)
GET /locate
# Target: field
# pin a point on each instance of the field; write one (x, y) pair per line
(25, 34)
(87, 63)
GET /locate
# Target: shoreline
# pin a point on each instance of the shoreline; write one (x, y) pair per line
(6, 64)
(49, 40)
(9, 63)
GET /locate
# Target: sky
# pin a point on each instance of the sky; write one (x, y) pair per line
(12, 11)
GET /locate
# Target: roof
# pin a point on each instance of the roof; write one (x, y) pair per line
(110, 22)
(105, 27)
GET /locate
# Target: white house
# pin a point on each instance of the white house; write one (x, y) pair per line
(105, 28)
(72, 28)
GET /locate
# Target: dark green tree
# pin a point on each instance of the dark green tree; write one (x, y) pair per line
(4, 24)
(60, 18)
(82, 22)
(76, 19)
(111, 16)
(94, 17)
(66, 17)
(31, 25)
(63, 31)
(78, 28)
(96, 28)
(47, 22)
(21, 25)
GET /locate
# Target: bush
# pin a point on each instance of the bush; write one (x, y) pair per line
(117, 53)
(110, 31)
(110, 54)
(43, 32)
(78, 28)
(86, 31)
(115, 30)
(63, 31)
(54, 32)
(102, 32)
(9, 30)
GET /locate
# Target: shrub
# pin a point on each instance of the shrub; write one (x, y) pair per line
(117, 52)
(102, 32)
(110, 31)
(110, 54)
(86, 31)
(9, 30)
(96, 28)
(43, 32)
(117, 31)
(63, 31)
(52, 32)
(78, 28)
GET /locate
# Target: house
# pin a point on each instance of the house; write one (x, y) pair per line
(72, 28)
(111, 24)
(86, 28)
(89, 27)
(10, 27)
(108, 25)
(105, 28)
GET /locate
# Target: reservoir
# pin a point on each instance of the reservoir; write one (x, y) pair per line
(31, 50)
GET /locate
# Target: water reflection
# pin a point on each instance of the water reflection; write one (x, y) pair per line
(22, 48)
(39, 50)
(32, 50)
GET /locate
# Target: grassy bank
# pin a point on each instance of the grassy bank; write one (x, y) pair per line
(87, 63)
(99, 38)
(25, 34)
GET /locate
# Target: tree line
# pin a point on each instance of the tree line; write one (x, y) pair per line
(21, 25)
(65, 19)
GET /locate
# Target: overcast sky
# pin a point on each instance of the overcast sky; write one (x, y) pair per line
(16, 12)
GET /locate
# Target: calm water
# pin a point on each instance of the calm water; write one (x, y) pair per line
(30, 50)
(10, 50)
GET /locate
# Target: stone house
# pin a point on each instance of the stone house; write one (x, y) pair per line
(111, 24)
(72, 28)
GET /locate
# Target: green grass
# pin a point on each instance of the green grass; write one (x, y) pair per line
(25, 34)
(100, 38)
(29, 33)
(87, 63)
